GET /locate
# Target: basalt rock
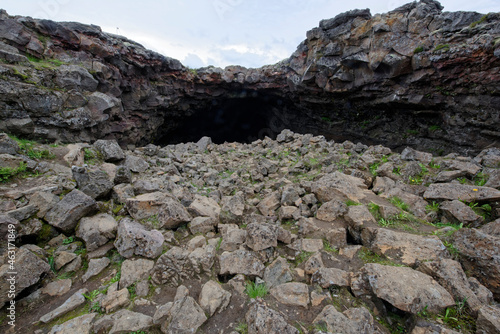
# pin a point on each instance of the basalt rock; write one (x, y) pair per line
(416, 76)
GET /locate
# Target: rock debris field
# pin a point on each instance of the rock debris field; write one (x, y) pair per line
(293, 235)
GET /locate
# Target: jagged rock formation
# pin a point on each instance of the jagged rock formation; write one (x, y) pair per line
(346, 238)
(414, 76)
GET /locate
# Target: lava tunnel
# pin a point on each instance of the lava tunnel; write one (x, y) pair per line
(243, 117)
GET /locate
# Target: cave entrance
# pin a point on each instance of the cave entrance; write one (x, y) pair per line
(244, 117)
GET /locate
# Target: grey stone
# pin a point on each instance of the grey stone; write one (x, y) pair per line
(185, 316)
(404, 288)
(133, 238)
(261, 319)
(330, 210)
(202, 225)
(261, 236)
(79, 325)
(136, 164)
(172, 214)
(7, 145)
(97, 230)
(327, 277)
(213, 298)
(69, 305)
(351, 321)
(123, 321)
(115, 300)
(57, 288)
(68, 211)
(95, 183)
(459, 212)
(278, 272)
(450, 192)
(488, 320)
(29, 268)
(293, 293)
(240, 262)
(135, 270)
(110, 150)
(96, 266)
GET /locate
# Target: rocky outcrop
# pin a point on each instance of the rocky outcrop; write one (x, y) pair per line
(415, 76)
(264, 236)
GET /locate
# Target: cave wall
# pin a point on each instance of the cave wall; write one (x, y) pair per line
(416, 76)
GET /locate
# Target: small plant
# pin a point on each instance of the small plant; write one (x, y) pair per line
(452, 249)
(326, 119)
(132, 292)
(415, 180)
(434, 128)
(418, 50)
(89, 155)
(242, 328)
(433, 165)
(442, 48)
(219, 242)
(116, 278)
(256, 290)
(480, 179)
(462, 180)
(321, 327)
(412, 132)
(69, 240)
(424, 313)
(6, 172)
(351, 203)
(302, 256)
(66, 275)
(385, 222)
(396, 201)
(374, 209)
(433, 207)
(92, 295)
(52, 264)
(481, 20)
(327, 247)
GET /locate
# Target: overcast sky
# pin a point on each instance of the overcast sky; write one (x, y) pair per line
(250, 33)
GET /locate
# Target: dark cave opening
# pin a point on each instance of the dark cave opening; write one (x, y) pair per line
(244, 117)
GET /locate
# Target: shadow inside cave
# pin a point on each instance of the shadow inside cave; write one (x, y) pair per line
(243, 118)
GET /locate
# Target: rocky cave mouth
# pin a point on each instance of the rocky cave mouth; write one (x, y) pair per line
(243, 117)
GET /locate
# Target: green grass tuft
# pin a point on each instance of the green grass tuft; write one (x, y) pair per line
(256, 290)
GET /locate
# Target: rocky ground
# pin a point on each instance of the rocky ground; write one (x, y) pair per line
(294, 235)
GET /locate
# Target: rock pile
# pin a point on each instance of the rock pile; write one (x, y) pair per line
(293, 235)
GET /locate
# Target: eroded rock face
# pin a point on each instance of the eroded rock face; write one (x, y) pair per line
(418, 46)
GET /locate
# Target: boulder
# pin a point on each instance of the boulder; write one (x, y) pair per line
(339, 186)
(29, 268)
(57, 288)
(240, 262)
(261, 319)
(122, 192)
(147, 205)
(110, 150)
(79, 325)
(205, 207)
(178, 264)
(75, 77)
(331, 210)
(278, 272)
(479, 255)
(351, 321)
(96, 266)
(8, 145)
(134, 270)
(95, 183)
(72, 303)
(488, 320)
(185, 316)
(405, 248)
(452, 191)
(202, 225)
(450, 275)
(268, 205)
(410, 154)
(172, 214)
(327, 277)
(133, 238)
(136, 164)
(213, 298)
(358, 217)
(232, 209)
(123, 321)
(261, 236)
(293, 293)
(404, 288)
(97, 230)
(115, 300)
(68, 211)
(492, 228)
(459, 212)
